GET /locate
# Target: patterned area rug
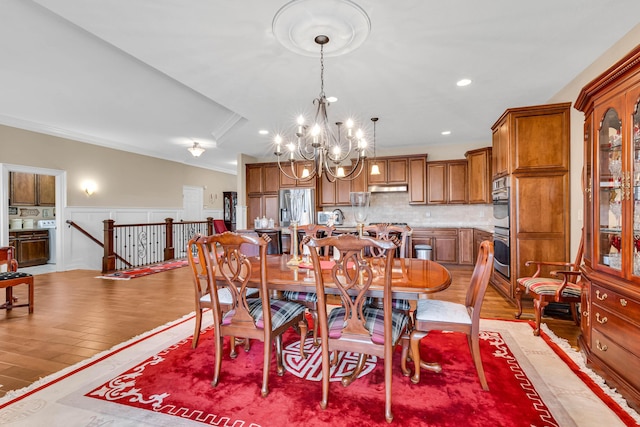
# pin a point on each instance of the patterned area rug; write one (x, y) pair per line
(157, 379)
(146, 270)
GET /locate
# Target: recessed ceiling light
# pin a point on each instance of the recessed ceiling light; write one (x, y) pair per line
(463, 82)
(332, 99)
(263, 132)
(446, 132)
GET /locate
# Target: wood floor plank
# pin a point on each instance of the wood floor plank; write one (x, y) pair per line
(77, 316)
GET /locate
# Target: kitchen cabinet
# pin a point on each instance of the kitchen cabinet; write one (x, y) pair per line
(465, 246)
(479, 175)
(259, 205)
(443, 242)
(500, 151)
(337, 193)
(611, 176)
(22, 189)
(262, 178)
(29, 189)
(46, 190)
(533, 142)
(418, 180)
(447, 182)
(393, 170)
(287, 182)
(262, 185)
(531, 139)
(32, 246)
(480, 236)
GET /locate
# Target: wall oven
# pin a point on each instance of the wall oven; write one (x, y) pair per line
(500, 197)
(501, 205)
(501, 255)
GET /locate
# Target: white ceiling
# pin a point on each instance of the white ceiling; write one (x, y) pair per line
(152, 76)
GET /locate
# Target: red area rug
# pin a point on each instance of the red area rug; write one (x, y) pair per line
(146, 270)
(177, 382)
(158, 380)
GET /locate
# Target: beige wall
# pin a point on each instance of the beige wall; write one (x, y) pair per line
(570, 93)
(123, 179)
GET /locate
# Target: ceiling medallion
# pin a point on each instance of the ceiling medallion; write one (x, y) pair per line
(298, 22)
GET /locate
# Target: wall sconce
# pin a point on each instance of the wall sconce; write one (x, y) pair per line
(89, 187)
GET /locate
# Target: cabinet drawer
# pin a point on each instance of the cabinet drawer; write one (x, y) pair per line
(616, 303)
(616, 328)
(434, 232)
(626, 364)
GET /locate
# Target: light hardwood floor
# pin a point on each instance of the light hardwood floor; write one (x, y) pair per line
(77, 316)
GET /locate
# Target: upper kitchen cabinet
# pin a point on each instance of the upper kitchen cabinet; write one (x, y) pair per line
(263, 178)
(22, 189)
(611, 299)
(479, 175)
(447, 182)
(393, 170)
(531, 139)
(46, 190)
(418, 180)
(500, 152)
(336, 193)
(299, 166)
(28, 189)
(262, 185)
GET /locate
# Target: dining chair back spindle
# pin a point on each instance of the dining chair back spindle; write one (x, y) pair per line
(355, 326)
(226, 267)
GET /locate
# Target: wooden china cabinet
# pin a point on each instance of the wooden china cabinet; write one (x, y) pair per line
(611, 300)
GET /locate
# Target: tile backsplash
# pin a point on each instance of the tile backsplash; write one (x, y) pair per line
(395, 207)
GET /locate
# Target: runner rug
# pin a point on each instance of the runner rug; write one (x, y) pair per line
(146, 270)
(158, 380)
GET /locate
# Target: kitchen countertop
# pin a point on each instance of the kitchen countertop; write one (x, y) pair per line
(352, 227)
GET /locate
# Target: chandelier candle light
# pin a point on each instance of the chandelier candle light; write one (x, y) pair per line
(322, 144)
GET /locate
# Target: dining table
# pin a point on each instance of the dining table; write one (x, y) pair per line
(411, 278)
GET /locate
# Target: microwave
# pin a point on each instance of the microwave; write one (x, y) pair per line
(325, 217)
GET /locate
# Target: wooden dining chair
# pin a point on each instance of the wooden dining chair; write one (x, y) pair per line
(356, 327)
(310, 299)
(261, 318)
(203, 297)
(544, 289)
(387, 231)
(10, 277)
(440, 315)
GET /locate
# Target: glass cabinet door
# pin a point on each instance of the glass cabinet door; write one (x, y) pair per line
(587, 187)
(611, 191)
(635, 137)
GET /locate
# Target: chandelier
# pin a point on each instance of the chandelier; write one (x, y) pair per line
(338, 151)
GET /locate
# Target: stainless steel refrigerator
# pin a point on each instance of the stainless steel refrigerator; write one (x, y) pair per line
(307, 208)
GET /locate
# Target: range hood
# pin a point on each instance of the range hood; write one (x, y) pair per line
(388, 188)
